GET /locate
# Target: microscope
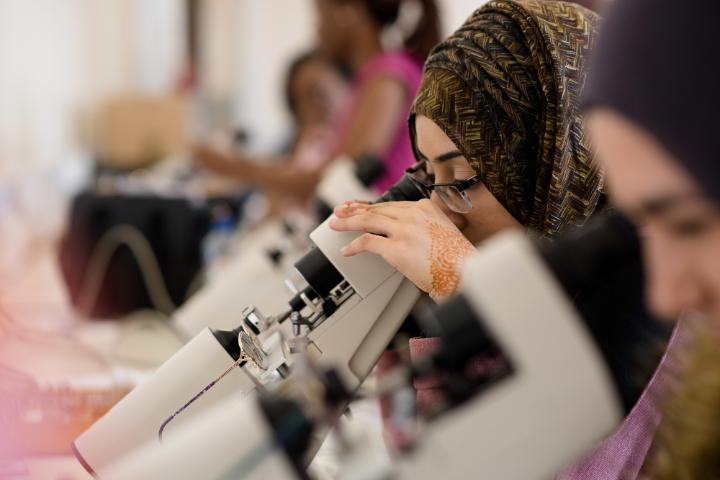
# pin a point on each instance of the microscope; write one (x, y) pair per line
(345, 317)
(551, 401)
(264, 437)
(554, 398)
(258, 275)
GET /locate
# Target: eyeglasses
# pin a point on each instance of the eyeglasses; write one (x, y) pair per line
(453, 194)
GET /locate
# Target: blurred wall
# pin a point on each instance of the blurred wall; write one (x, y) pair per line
(59, 59)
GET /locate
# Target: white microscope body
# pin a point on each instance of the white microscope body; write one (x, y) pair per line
(231, 441)
(253, 277)
(266, 260)
(353, 338)
(369, 302)
(557, 403)
(554, 403)
(138, 418)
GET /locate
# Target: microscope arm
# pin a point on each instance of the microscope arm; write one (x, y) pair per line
(558, 400)
(353, 338)
(232, 441)
(350, 337)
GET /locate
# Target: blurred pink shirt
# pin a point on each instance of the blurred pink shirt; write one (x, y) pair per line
(405, 68)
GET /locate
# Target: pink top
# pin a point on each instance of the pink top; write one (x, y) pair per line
(403, 67)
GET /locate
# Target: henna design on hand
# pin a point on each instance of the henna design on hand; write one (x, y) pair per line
(448, 249)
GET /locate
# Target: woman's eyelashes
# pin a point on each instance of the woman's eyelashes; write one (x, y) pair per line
(464, 175)
(451, 175)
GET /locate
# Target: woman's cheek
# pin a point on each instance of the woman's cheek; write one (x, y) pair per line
(458, 219)
(476, 226)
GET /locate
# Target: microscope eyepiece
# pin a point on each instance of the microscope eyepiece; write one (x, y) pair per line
(577, 260)
(319, 272)
(369, 169)
(403, 190)
(600, 259)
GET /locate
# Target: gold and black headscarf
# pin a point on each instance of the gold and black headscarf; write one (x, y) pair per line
(506, 89)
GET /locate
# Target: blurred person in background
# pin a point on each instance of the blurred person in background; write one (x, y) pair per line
(373, 121)
(653, 117)
(316, 90)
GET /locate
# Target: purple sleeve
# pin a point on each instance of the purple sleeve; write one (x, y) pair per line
(622, 455)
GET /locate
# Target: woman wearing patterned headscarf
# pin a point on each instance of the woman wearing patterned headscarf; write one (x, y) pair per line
(499, 137)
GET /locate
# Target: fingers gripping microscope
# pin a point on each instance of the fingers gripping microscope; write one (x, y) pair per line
(344, 317)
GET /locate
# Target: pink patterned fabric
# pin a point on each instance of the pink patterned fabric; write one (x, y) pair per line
(429, 396)
(428, 393)
(406, 69)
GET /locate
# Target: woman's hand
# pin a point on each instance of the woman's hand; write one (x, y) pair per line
(416, 238)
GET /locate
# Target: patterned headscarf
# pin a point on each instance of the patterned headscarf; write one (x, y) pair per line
(505, 88)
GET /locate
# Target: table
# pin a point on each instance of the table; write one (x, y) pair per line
(47, 343)
(100, 353)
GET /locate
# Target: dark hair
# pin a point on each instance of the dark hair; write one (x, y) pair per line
(301, 61)
(427, 31)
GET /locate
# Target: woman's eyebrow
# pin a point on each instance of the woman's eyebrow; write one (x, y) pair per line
(448, 156)
(660, 205)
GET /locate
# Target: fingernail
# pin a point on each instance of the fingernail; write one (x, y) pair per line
(344, 251)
